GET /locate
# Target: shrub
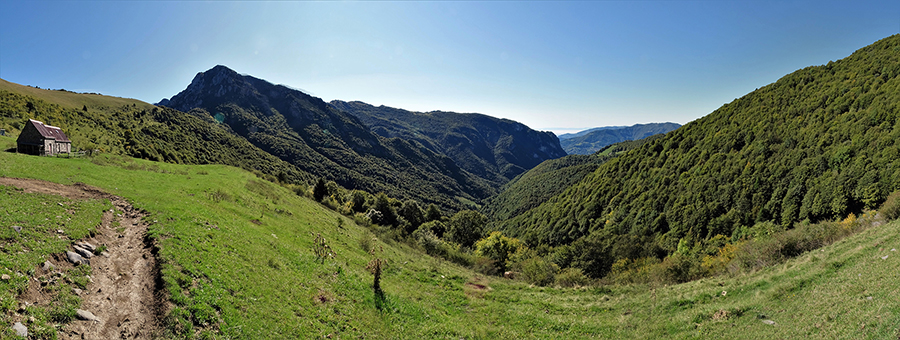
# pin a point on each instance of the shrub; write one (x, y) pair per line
(486, 266)
(498, 248)
(434, 246)
(571, 277)
(891, 206)
(537, 271)
(466, 227)
(676, 268)
(362, 220)
(366, 242)
(626, 271)
(436, 227)
(319, 190)
(715, 264)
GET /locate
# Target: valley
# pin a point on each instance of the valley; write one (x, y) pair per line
(253, 210)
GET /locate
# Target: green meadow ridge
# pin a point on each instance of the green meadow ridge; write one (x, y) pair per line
(137, 129)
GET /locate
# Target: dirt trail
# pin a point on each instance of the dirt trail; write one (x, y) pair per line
(123, 294)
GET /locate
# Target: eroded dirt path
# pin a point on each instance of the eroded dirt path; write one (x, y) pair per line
(123, 294)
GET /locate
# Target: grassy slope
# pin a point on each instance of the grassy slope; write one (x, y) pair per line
(41, 216)
(263, 281)
(71, 99)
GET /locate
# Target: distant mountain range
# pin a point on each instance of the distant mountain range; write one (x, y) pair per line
(592, 140)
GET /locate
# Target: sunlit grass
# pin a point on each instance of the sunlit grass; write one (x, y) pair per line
(237, 258)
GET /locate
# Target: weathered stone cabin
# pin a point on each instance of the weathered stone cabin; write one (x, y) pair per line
(39, 139)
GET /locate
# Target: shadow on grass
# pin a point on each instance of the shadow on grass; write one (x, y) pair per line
(380, 299)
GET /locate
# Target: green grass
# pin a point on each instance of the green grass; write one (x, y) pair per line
(237, 257)
(49, 224)
(71, 99)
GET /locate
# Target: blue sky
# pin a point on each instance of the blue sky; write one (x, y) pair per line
(553, 65)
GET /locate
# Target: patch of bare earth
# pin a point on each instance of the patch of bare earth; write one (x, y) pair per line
(123, 292)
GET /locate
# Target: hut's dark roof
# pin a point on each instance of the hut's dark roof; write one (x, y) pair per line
(48, 131)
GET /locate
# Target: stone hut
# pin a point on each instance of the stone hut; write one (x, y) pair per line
(44, 140)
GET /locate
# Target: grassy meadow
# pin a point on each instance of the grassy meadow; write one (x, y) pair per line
(237, 261)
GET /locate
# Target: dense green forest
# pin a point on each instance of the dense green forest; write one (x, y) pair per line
(492, 148)
(818, 144)
(549, 179)
(319, 139)
(591, 141)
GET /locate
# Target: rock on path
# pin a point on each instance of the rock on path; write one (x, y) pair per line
(20, 329)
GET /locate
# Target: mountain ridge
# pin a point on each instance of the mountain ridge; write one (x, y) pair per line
(327, 142)
(493, 148)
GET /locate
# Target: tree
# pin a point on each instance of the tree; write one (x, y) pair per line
(466, 227)
(498, 248)
(358, 200)
(383, 206)
(433, 213)
(319, 191)
(411, 212)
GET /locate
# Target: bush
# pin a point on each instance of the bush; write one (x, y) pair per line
(362, 220)
(436, 227)
(891, 206)
(676, 268)
(626, 271)
(366, 242)
(537, 271)
(466, 227)
(498, 248)
(486, 266)
(571, 277)
(434, 246)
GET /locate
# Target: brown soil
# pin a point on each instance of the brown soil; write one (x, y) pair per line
(123, 291)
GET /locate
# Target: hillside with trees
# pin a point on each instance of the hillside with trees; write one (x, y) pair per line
(492, 148)
(549, 179)
(818, 144)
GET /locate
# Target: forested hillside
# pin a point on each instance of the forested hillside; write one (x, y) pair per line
(818, 144)
(595, 139)
(319, 139)
(549, 179)
(492, 148)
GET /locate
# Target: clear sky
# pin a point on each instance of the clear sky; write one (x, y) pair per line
(553, 65)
